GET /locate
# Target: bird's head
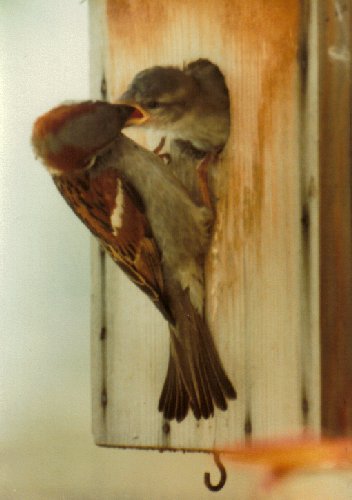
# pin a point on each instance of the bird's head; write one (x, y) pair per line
(160, 96)
(68, 137)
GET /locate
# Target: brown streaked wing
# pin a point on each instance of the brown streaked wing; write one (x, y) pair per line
(93, 196)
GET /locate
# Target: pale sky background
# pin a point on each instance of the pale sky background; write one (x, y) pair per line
(47, 449)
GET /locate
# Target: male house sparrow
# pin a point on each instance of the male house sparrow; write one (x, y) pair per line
(148, 224)
(191, 105)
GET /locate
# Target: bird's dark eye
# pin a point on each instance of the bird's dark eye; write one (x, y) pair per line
(153, 104)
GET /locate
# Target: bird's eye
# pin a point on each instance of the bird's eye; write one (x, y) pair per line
(153, 104)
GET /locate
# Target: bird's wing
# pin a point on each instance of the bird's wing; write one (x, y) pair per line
(113, 212)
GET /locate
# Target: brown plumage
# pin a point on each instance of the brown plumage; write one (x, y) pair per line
(92, 198)
(146, 221)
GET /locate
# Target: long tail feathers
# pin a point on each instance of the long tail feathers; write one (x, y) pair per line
(174, 400)
(195, 377)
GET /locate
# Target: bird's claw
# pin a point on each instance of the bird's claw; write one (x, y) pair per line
(164, 156)
(202, 174)
(160, 146)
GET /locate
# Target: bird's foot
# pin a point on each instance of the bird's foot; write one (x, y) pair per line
(160, 146)
(202, 173)
(164, 156)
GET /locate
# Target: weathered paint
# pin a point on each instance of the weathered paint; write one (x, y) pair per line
(256, 307)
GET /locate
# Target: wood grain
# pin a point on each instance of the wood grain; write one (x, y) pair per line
(262, 286)
(335, 216)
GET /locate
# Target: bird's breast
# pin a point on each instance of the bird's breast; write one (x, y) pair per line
(206, 133)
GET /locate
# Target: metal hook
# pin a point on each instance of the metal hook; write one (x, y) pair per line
(223, 475)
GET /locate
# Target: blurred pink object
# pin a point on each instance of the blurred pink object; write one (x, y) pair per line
(283, 456)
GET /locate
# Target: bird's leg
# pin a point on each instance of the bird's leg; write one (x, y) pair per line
(160, 146)
(164, 156)
(202, 174)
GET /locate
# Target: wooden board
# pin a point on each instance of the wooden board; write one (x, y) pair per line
(335, 215)
(262, 291)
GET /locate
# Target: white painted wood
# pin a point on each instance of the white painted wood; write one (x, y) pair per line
(262, 300)
(310, 206)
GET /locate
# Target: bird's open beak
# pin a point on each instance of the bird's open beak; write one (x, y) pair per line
(139, 115)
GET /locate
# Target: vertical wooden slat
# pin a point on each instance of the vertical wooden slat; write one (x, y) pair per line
(262, 267)
(309, 202)
(335, 215)
(97, 48)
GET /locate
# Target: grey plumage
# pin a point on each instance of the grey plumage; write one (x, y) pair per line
(195, 374)
(190, 104)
